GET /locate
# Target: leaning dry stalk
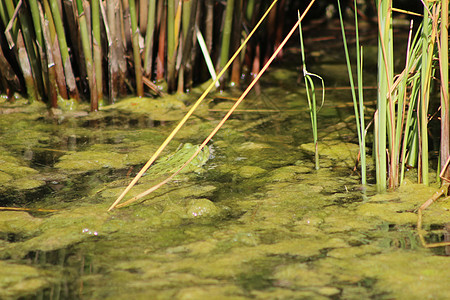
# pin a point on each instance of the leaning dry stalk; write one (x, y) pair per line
(190, 112)
(232, 109)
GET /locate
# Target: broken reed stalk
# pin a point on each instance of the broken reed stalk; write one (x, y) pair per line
(32, 52)
(236, 104)
(191, 111)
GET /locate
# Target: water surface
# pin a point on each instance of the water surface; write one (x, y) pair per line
(256, 221)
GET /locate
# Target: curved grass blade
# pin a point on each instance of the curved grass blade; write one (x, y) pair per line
(311, 96)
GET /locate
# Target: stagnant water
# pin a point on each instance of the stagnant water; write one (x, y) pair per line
(252, 220)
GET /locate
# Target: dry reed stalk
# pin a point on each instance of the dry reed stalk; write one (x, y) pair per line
(194, 107)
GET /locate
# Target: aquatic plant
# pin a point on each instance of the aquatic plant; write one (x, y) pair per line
(401, 122)
(311, 97)
(78, 49)
(358, 102)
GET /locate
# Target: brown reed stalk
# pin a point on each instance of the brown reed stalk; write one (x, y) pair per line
(160, 59)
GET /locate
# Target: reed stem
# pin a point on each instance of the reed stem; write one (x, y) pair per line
(445, 106)
(97, 48)
(385, 68)
(150, 32)
(136, 49)
(68, 72)
(226, 34)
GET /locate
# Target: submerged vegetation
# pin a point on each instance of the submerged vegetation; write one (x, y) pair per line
(252, 214)
(61, 52)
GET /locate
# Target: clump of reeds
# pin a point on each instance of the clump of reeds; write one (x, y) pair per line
(401, 121)
(103, 50)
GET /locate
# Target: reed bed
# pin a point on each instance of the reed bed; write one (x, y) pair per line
(100, 51)
(402, 118)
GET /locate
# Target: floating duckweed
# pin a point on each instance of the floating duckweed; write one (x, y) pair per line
(250, 171)
(343, 152)
(91, 160)
(18, 279)
(165, 109)
(28, 184)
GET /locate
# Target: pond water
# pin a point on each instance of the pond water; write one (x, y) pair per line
(252, 220)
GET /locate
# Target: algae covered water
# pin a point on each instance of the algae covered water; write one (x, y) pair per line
(250, 219)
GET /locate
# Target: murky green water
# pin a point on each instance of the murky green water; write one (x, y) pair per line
(254, 221)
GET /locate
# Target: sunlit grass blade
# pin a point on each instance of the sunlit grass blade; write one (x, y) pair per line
(206, 56)
(358, 101)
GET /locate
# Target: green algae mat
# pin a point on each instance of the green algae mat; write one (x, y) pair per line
(250, 219)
